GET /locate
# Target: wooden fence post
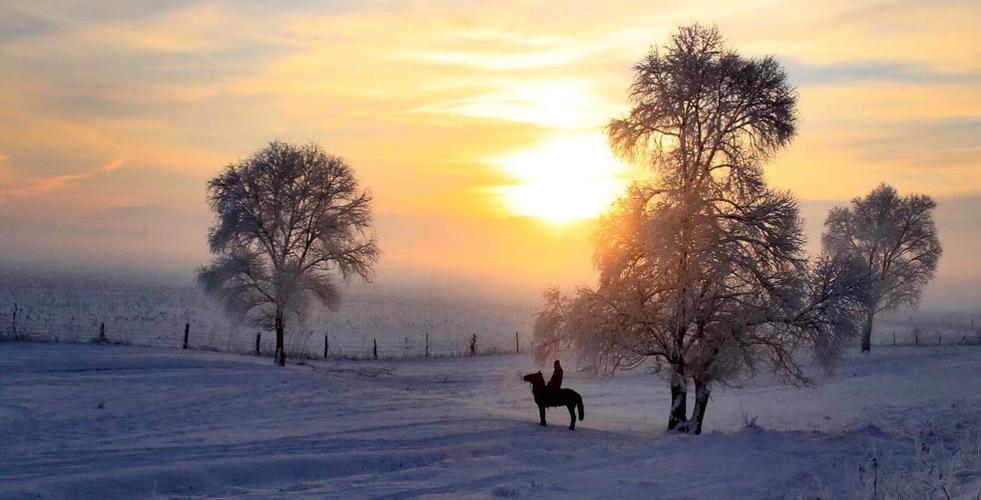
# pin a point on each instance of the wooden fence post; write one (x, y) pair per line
(258, 338)
(473, 345)
(187, 331)
(427, 344)
(326, 346)
(13, 323)
(102, 331)
(517, 347)
(374, 348)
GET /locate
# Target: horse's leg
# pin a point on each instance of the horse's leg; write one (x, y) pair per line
(541, 415)
(572, 417)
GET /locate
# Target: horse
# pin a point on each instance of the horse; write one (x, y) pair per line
(544, 399)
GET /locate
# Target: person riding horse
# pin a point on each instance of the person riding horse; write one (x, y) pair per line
(555, 383)
(552, 394)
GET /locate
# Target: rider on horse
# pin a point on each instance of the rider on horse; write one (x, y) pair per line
(555, 383)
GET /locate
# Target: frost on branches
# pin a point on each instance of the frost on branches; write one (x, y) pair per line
(894, 240)
(702, 269)
(290, 221)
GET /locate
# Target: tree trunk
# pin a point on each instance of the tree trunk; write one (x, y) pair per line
(280, 349)
(867, 332)
(679, 398)
(701, 401)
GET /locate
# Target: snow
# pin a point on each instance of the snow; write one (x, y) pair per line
(105, 421)
(67, 307)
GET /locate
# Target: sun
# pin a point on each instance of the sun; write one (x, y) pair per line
(566, 178)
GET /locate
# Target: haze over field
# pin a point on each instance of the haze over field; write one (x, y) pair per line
(477, 128)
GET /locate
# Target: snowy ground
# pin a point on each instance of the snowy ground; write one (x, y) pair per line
(59, 306)
(97, 421)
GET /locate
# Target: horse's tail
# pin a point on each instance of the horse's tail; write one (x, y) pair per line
(579, 406)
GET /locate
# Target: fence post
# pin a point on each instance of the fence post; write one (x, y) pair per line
(326, 346)
(517, 347)
(258, 337)
(13, 323)
(102, 331)
(427, 344)
(374, 348)
(187, 331)
(473, 345)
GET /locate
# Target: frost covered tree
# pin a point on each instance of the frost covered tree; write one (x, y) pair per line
(702, 269)
(290, 221)
(894, 239)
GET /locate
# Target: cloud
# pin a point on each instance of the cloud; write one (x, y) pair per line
(559, 103)
(39, 185)
(927, 144)
(36, 186)
(15, 24)
(882, 71)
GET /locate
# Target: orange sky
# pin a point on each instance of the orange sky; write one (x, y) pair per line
(475, 126)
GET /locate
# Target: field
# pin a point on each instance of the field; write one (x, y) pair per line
(403, 321)
(150, 311)
(104, 421)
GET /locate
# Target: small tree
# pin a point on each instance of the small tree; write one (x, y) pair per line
(290, 220)
(895, 241)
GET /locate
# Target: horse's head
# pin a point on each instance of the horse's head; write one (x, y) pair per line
(535, 378)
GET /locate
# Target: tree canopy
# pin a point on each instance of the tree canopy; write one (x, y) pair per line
(894, 240)
(290, 221)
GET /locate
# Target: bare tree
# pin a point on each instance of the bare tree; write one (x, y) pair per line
(702, 269)
(894, 239)
(290, 221)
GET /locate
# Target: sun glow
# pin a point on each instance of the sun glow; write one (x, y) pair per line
(563, 179)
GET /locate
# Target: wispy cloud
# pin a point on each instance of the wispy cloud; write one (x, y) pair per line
(875, 71)
(39, 185)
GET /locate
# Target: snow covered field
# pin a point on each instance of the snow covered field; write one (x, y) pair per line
(98, 421)
(59, 306)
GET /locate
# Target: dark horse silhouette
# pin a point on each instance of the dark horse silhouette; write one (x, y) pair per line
(545, 398)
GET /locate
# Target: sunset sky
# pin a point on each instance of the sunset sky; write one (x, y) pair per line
(476, 125)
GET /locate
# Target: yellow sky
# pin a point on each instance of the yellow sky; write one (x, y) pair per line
(461, 119)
